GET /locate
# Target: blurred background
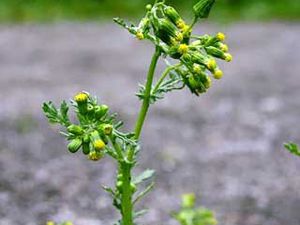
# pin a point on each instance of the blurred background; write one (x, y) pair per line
(226, 146)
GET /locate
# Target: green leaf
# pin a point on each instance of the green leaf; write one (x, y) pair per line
(140, 213)
(292, 148)
(64, 108)
(51, 112)
(146, 175)
(143, 193)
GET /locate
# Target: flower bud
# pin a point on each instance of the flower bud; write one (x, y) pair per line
(172, 14)
(228, 57)
(223, 47)
(183, 49)
(221, 36)
(106, 128)
(100, 111)
(98, 144)
(95, 155)
(213, 51)
(166, 31)
(197, 68)
(202, 8)
(75, 129)
(218, 74)
(139, 35)
(211, 64)
(81, 97)
(86, 148)
(119, 185)
(199, 58)
(74, 145)
(188, 200)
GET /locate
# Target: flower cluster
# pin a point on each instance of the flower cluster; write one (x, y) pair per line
(94, 128)
(197, 55)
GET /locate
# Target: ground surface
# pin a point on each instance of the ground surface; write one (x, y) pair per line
(226, 145)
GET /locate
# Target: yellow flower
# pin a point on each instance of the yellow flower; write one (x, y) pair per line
(179, 36)
(180, 24)
(197, 68)
(99, 144)
(140, 35)
(183, 48)
(211, 64)
(95, 156)
(218, 74)
(220, 36)
(81, 97)
(224, 47)
(228, 57)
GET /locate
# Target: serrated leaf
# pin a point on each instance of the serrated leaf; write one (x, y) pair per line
(147, 174)
(64, 108)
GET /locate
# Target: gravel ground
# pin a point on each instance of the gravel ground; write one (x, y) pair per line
(225, 146)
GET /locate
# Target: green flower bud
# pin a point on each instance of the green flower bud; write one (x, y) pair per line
(86, 148)
(188, 200)
(75, 129)
(101, 111)
(97, 142)
(166, 31)
(81, 99)
(172, 14)
(202, 8)
(120, 177)
(213, 51)
(199, 58)
(148, 7)
(74, 145)
(174, 52)
(106, 128)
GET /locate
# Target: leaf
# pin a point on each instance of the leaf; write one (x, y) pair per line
(140, 213)
(64, 108)
(51, 112)
(143, 193)
(147, 174)
(292, 148)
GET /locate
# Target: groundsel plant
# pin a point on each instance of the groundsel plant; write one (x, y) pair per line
(190, 63)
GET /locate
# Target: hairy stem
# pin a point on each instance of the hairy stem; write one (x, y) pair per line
(146, 101)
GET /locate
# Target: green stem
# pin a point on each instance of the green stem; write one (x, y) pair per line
(126, 199)
(146, 101)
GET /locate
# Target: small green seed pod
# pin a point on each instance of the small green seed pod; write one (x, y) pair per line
(74, 145)
(75, 129)
(172, 14)
(202, 8)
